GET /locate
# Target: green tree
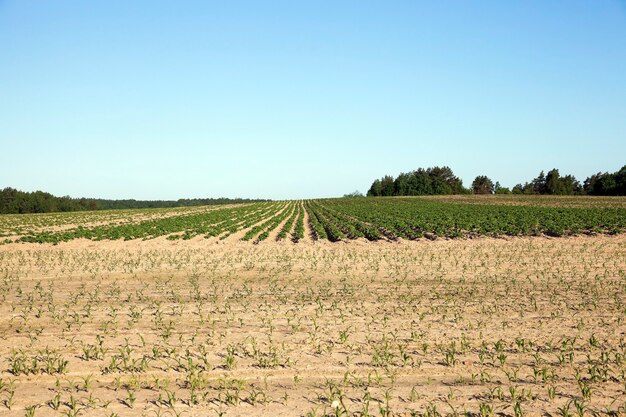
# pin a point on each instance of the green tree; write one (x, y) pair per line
(538, 185)
(482, 185)
(387, 186)
(376, 190)
(421, 183)
(552, 182)
(601, 184)
(401, 184)
(446, 176)
(620, 181)
(498, 189)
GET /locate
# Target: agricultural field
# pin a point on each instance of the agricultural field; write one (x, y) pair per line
(340, 307)
(334, 220)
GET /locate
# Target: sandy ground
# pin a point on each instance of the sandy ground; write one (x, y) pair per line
(526, 326)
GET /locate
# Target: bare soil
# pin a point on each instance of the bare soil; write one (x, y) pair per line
(159, 327)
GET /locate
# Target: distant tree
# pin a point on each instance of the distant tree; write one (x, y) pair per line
(557, 185)
(600, 184)
(552, 182)
(7, 200)
(482, 185)
(538, 185)
(387, 185)
(353, 194)
(401, 184)
(441, 180)
(14, 201)
(421, 183)
(606, 183)
(498, 189)
(446, 176)
(570, 185)
(620, 181)
(435, 180)
(589, 186)
(376, 190)
(440, 187)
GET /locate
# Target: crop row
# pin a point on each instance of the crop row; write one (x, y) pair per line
(349, 226)
(23, 224)
(345, 219)
(318, 231)
(209, 223)
(414, 218)
(214, 223)
(289, 224)
(234, 225)
(327, 223)
(298, 231)
(262, 230)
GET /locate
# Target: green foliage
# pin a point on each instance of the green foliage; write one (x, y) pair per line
(323, 225)
(262, 230)
(13, 201)
(498, 189)
(298, 232)
(607, 183)
(442, 181)
(183, 226)
(412, 218)
(431, 181)
(482, 185)
(332, 219)
(317, 229)
(551, 184)
(289, 224)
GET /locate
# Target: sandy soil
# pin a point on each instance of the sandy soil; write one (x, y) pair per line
(199, 328)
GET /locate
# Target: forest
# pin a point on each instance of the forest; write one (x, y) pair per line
(13, 201)
(442, 181)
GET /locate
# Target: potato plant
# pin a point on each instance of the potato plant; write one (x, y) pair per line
(334, 220)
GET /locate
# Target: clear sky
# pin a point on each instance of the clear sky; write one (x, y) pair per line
(295, 99)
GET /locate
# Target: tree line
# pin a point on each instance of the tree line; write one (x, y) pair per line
(431, 181)
(13, 201)
(441, 181)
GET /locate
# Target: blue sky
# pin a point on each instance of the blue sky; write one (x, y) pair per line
(166, 100)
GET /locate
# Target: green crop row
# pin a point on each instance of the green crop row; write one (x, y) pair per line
(262, 230)
(332, 232)
(243, 222)
(289, 224)
(349, 226)
(298, 232)
(331, 219)
(188, 224)
(317, 229)
(276, 221)
(413, 218)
